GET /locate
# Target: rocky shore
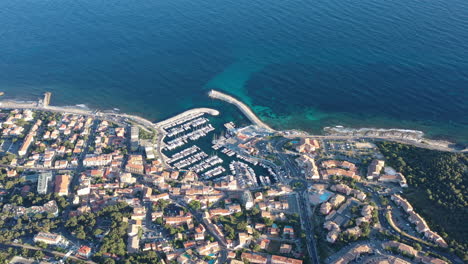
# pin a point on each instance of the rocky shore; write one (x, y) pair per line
(375, 132)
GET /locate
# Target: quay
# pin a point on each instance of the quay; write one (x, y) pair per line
(187, 114)
(242, 107)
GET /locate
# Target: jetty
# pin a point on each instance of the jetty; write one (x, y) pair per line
(242, 107)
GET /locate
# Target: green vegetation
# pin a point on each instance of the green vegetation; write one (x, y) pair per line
(7, 158)
(114, 241)
(437, 189)
(195, 205)
(47, 116)
(160, 205)
(82, 226)
(396, 251)
(143, 134)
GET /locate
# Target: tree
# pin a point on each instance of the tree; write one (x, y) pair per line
(255, 211)
(195, 205)
(417, 246)
(256, 234)
(109, 261)
(230, 231)
(256, 247)
(39, 255)
(25, 252)
(41, 244)
(16, 199)
(267, 221)
(159, 220)
(97, 232)
(242, 226)
(80, 233)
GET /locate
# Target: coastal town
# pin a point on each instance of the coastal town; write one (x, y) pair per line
(81, 186)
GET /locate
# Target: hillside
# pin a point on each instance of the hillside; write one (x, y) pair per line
(437, 188)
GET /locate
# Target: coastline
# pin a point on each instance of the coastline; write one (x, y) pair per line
(404, 136)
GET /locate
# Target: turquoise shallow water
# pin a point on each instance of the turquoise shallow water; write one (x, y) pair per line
(299, 64)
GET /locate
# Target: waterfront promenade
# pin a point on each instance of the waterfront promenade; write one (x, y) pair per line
(73, 110)
(244, 108)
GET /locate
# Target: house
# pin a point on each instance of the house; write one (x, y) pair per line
(325, 208)
(288, 231)
(275, 259)
(209, 248)
(285, 248)
(254, 258)
(243, 238)
(307, 145)
(336, 200)
(127, 178)
(84, 251)
(217, 212)
(310, 169)
(401, 247)
(332, 236)
(396, 178)
(342, 188)
(353, 254)
(354, 231)
(264, 243)
(178, 220)
(402, 202)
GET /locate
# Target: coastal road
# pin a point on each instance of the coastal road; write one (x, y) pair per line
(304, 211)
(428, 144)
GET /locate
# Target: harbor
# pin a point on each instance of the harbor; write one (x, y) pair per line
(203, 144)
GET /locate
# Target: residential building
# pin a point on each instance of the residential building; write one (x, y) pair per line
(285, 248)
(49, 238)
(61, 184)
(396, 178)
(307, 145)
(43, 182)
(254, 258)
(84, 251)
(275, 259)
(309, 166)
(27, 142)
(373, 171)
(134, 138)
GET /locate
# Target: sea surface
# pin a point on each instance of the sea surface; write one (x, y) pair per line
(300, 64)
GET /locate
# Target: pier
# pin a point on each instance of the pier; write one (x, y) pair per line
(46, 100)
(242, 107)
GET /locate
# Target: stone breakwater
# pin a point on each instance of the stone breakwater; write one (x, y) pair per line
(242, 107)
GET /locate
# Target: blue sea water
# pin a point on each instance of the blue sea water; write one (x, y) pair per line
(299, 63)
